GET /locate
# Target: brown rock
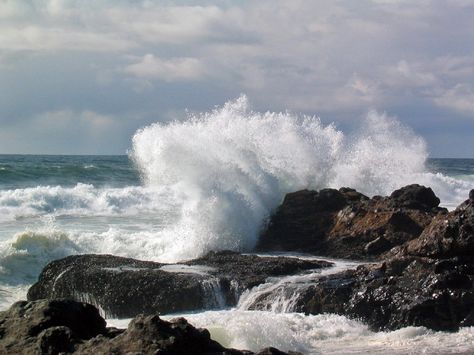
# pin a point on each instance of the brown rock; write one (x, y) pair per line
(428, 281)
(448, 235)
(344, 223)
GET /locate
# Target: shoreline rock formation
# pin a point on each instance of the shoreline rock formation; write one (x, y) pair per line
(419, 269)
(66, 327)
(426, 281)
(124, 287)
(347, 224)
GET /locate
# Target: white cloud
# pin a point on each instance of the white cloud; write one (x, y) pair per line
(71, 120)
(174, 69)
(409, 76)
(14, 9)
(459, 98)
(34, 38)
(165, 24)
(334, 58)
(454, 67)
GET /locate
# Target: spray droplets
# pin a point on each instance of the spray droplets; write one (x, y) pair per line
(232, 166)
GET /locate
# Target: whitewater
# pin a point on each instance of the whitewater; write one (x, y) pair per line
(210, 182)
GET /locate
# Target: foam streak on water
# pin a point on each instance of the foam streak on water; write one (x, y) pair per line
(82, 199)
(320, 334)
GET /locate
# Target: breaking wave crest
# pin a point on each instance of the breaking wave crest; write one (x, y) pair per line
(229, 168)
(23, 257)
(82, 199)
(208, 183)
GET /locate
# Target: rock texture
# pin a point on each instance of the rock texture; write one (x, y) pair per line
(346, 224)
(447, 236)
(65, 327)
(123, 287)
(428, 281)
(421, 271)
(47, 327)
(402, 292)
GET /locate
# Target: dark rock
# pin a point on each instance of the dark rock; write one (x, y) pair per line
(448, 235)
(392, 295)
(328, 295)
(55, 340)
(47, 325)
(64, 326)
(251, 270)
(152, 335)
(123, 287)
(428, 281)
(343, 223)
(415, 197)
(426, 278)
(120, 287)
(377, 246)
(304, 219)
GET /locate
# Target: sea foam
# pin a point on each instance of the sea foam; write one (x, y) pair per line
(320, 334)
(210, 183)
(231, 167)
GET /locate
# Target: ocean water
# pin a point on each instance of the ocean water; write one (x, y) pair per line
(210, 183)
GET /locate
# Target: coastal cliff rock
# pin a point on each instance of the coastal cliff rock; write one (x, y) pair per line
(69, 327)
(124, 287)
(346, 224)
(428, 281)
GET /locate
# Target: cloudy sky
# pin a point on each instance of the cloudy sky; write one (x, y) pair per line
(81, 76)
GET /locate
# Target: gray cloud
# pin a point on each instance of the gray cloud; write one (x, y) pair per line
(152, 67)
(134, 62)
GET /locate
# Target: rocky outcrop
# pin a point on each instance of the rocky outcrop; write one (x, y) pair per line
(346, 224)
(401, 292)
(65, 326)
(33, 327)
(123, 287)
(247, 271)
(448, 236)
(428, 281)
(424, 274)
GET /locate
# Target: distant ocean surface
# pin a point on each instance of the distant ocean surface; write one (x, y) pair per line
(210, 183)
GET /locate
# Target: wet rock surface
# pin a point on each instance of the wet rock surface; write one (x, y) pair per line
(447, 236)
(346, 224)
(123, 287)
(251, 270)
(65, 326)
(428, 281)
(47, 326)
(398, 293)
(421, 270)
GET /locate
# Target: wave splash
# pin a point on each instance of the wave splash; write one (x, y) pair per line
(82, 200)
(210, 183)
(230, 167)
(23, 257)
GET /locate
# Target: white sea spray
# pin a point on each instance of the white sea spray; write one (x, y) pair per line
(209, 183)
